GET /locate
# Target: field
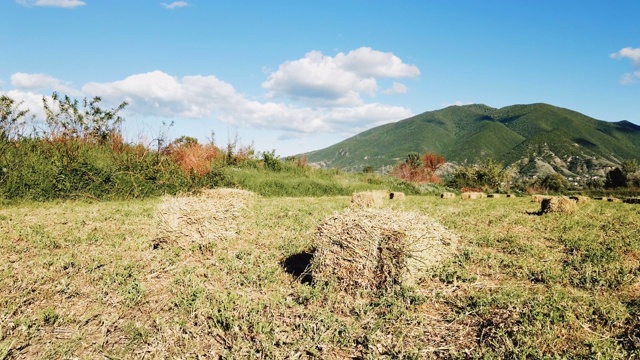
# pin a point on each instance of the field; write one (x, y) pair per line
(83, 279)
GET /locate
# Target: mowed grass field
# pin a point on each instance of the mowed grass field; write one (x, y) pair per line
(90, 280)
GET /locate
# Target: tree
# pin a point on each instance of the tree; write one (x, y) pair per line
(615, 178)
(555, 183)
(629, 166)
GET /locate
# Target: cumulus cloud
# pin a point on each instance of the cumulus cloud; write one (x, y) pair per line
(630, 53)
(175, 5)
(30, 82)
(314, 94)
(320, 80)
(52, 3)
(159, 94)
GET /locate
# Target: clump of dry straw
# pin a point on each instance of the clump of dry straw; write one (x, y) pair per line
(210, 217)
(374, 249)
(561, 204)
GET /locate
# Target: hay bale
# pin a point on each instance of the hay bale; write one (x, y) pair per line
(447, 195)
(472, 195)
(495, 196)
(539, 198)
(580, 200)
(613, 199)
(210, 217)
(632, 200)
(374, 249)
(367, 199)
(396, 196)
(561, 204)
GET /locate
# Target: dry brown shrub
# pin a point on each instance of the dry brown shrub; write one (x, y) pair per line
(195, 158)
(561, 204)
(211, 217)
(448, 195)
(397, 196)
(374, 249)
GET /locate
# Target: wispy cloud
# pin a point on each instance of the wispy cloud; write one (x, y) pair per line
(175, 4)
(52, 3)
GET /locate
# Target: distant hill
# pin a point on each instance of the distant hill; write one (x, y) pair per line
(538, 138)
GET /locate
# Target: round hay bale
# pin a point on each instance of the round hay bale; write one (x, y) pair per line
(375, 249)
(448, 195)
(561, 204)
(211, 217)
(396, 195)
(366, 199)
(632, 200)
(495, 196)
(613, 199)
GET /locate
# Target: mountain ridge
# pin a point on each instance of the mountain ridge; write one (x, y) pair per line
(568, 141)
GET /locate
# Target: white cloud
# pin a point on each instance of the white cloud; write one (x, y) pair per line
(320, 80)
(27, 100)
(627, 79)
(397, 88)
(159, 94)
(52, 3)
(175, 4)
(630, 53)
(30, 82)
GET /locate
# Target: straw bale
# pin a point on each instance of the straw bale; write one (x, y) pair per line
(613, 199)
(396, 195)
(210, 217)
(511, 195)
(448, 195)
(366, 199)
(632, 200)
(472, 195)
(580, 200)
(374, 249)
(539, 198)
(561, 204)
(495, 196)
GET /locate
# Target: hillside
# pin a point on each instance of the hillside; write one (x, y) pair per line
(534, 136)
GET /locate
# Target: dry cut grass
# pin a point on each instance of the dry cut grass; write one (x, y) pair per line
(375, 250)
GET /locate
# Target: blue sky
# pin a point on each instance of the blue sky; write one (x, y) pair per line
(296, 76)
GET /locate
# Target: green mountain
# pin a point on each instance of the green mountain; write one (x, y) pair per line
(538, 138)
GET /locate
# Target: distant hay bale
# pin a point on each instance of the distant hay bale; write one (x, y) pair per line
(539, 198)
(495, 196)
(374, 249)
(472, 195)
(561, 204)
(396, 195)
(367, 199)
(632, 200)
(613, 199)
(210, 217)
(448, 195)
(580, 200)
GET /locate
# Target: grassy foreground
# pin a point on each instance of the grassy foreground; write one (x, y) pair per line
(88, 280)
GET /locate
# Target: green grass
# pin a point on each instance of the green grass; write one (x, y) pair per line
(87, 280)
